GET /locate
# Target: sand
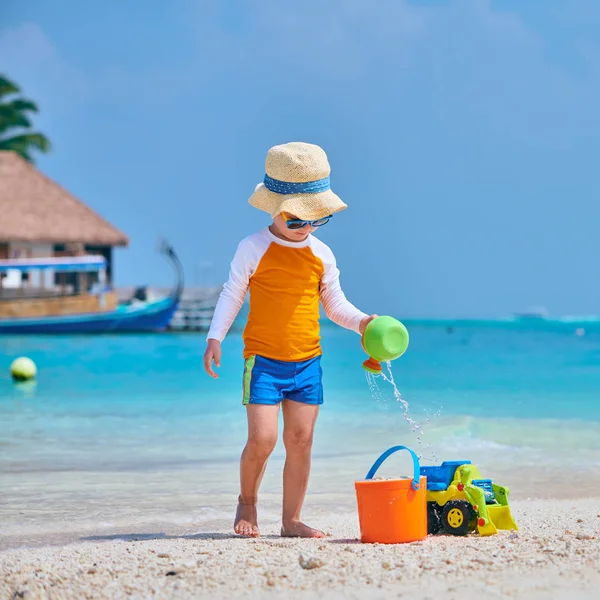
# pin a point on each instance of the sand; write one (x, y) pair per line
(555, 554)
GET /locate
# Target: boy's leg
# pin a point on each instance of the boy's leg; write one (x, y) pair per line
(299, 424)
(262, 437)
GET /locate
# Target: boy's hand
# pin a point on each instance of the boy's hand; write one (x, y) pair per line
(365, 322)
(212, 354)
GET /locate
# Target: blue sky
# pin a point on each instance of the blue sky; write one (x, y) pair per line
(462, 134)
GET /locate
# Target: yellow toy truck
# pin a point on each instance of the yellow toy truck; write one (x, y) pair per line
(460, 501)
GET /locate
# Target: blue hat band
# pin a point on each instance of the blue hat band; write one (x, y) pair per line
(290, 187)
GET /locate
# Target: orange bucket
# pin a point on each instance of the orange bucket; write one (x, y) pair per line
(392, 511)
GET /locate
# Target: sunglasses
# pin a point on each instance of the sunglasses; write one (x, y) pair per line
(300, 223)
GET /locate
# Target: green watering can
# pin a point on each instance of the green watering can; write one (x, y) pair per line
(384, 339)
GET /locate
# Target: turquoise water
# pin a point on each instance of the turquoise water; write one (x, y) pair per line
(128, 432)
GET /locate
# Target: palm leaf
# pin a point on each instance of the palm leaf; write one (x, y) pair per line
(7, 87)
(13, 121)
(35, 140)
(12, 114)
(22, 144)
(21, 105)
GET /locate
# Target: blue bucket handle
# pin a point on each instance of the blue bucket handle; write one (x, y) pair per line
(417, 468)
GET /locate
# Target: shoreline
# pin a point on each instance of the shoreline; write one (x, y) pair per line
(174, 504)
(557, 549)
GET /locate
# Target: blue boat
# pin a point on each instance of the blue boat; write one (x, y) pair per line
(88, 306)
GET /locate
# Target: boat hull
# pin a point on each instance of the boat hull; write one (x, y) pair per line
(151, 316)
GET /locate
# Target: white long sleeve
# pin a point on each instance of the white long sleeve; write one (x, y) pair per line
(234, 291)
(337, 307)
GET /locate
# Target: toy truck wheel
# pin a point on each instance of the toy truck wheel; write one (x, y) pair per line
(473, 524)
(456, 517)
(434, 518)
(473, 518)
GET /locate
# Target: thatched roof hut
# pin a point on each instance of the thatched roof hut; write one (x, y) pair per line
(33, 208)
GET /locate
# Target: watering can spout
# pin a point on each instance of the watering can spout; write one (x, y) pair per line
(384, 339)
(372, 366)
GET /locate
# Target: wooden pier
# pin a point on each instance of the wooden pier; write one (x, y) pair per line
(195, 310)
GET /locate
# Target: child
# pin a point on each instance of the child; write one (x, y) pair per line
(287, 271)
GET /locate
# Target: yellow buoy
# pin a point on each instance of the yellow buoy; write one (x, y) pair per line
(23, 369)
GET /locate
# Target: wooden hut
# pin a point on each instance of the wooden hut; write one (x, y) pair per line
(40, 219)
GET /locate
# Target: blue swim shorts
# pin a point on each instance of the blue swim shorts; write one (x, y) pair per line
(268, 381)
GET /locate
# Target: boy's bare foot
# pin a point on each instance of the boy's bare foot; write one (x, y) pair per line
(298, 529)
(246, 522)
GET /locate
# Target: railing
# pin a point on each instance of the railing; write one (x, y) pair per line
(195, 309)
(30, 293)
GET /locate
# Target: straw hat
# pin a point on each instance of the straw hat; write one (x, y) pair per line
(297, 182)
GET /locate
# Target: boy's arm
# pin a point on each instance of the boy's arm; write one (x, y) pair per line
(232, 296)
(336, 305)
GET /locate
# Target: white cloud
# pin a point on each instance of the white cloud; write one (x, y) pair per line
(464, 53)
(39, 69)
(335, 38)
(477, 61)
(43, 73)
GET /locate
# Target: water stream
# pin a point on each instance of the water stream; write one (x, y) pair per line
(423, 450)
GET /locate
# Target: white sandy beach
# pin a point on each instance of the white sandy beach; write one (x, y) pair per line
(555, 554)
